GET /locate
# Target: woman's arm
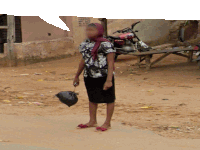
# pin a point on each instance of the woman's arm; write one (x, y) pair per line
(80, 68)
(110, 60)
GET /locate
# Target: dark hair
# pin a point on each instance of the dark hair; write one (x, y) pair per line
(91, 25)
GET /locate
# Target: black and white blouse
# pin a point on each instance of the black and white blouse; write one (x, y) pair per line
(99, 67)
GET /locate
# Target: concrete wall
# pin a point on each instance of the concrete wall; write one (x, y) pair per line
(192, 30)
(36, 51)
(153, 29)
(37, 46)
(119, 24)
(78, 32)
(149, 29)
(34, 29)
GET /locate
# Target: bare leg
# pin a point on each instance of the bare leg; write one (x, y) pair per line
(93, 112)
(110, 110)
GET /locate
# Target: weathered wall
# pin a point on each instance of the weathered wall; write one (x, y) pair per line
(34, 29)
(78, 32)
(192, 31)
(119, 24)
(38, 50)
(153, 29)
(38, 45)
(149, 29)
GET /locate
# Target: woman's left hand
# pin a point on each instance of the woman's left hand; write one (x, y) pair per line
(107, 85)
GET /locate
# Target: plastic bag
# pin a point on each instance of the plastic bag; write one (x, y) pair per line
(68, 97)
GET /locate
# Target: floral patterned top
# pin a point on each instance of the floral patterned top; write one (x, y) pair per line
(99, 67)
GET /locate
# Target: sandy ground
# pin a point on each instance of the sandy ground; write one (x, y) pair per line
(170, 89)
(59, 133)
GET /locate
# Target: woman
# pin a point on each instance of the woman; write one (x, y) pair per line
(98, 65)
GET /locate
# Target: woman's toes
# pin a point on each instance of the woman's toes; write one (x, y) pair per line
(105, 126)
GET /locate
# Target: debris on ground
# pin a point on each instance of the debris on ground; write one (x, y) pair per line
(151, 90)
(6, 88)
(38, 74)
(174, 127)
(21, 102)
(53, 72)
(182, 104)
(37, 103)
(24, 74)
(146, 107)
(4, 141)
(165, 99)
(40, 80)
(20, 97)
(7, 101)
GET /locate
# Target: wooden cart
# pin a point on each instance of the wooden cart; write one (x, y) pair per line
(141, 56)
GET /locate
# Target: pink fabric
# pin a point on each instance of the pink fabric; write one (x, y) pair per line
(98, 40)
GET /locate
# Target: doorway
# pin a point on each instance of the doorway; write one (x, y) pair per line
(3, 32)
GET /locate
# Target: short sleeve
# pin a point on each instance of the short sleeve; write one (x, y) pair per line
(107, 47)
(81, 47)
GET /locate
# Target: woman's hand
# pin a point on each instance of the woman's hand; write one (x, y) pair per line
(76, 81)
(107, 85)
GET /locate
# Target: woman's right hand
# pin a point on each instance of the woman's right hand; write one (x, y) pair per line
(76, 81)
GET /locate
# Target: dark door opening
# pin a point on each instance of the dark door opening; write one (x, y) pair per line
(3, 32)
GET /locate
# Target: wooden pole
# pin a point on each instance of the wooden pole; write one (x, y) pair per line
(10, 41)
(148, 62)
(105, 27)
(104, 23)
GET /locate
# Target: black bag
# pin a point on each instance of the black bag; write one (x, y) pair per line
(68, 97)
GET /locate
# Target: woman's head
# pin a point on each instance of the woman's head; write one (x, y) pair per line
(94, 30)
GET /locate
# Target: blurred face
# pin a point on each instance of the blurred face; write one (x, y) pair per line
(91, 32)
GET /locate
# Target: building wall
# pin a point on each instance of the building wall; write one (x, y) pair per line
(78, 31)
(36, 51)
(37, 45)
(192, 31)
(36, 29)
(69, 25)
(149, 29)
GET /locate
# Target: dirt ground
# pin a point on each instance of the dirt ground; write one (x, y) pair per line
(171, 90)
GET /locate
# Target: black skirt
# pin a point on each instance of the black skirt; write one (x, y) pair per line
(96, 94)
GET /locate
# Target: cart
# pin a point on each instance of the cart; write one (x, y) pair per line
(146, 56)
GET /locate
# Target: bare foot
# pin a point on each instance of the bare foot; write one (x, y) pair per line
(89, 124)
(105, 125)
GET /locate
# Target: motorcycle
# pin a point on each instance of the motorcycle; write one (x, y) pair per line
(128, 41)
(197, 47)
